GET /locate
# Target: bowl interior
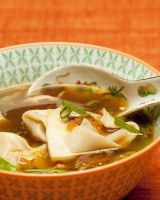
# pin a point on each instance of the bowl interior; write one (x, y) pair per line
(26, 63)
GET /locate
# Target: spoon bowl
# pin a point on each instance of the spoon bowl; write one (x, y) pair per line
(140, 93)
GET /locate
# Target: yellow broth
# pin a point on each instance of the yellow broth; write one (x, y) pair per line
(11, 97)
(90, 97)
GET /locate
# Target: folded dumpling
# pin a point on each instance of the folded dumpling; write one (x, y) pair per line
(48, 126)
(36, 122)
(85, 138)
(57, 134)
(14, 148)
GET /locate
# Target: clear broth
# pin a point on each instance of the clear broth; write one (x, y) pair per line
(11, 97)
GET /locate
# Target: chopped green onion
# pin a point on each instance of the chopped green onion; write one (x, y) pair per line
(146, 90)
(45, 84)
(65, 112)
(119, 121)
(116, 92)
(73, 107)
(46, 171)
(4, 165)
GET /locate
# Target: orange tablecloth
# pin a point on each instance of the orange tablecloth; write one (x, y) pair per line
(132, 26)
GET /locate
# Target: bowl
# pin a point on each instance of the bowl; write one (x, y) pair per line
(27, 62)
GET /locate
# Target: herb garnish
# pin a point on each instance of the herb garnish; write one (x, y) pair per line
(146, 90)
(116, 92)
(68, 107)
(7, 166)
(46, 171)
(45, 84)
(119, 121)
(64, 113)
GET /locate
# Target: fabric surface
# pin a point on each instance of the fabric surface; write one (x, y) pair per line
(132, 26)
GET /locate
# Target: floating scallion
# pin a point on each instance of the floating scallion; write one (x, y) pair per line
(73, 107)
(119, 121)
(64, 113)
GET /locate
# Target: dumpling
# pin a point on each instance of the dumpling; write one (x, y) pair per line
(36, 122)
(64, 144)
(85, 138)
(57, 137)
(14, 147)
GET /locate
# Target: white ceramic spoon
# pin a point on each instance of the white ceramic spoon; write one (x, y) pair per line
(72, 73)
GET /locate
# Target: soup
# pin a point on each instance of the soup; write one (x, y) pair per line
(68, 128)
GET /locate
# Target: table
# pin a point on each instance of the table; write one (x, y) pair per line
(132, 26)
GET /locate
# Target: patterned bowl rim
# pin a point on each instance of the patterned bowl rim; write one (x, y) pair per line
(151, 146)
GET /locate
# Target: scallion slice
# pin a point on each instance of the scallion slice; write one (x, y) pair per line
(119, 121)
(64, 113)
(73, 107)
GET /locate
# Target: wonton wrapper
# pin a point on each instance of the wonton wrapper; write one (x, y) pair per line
(12, 148)
(36, 122)
(56, 137)
(85, 138)
(63, 145)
